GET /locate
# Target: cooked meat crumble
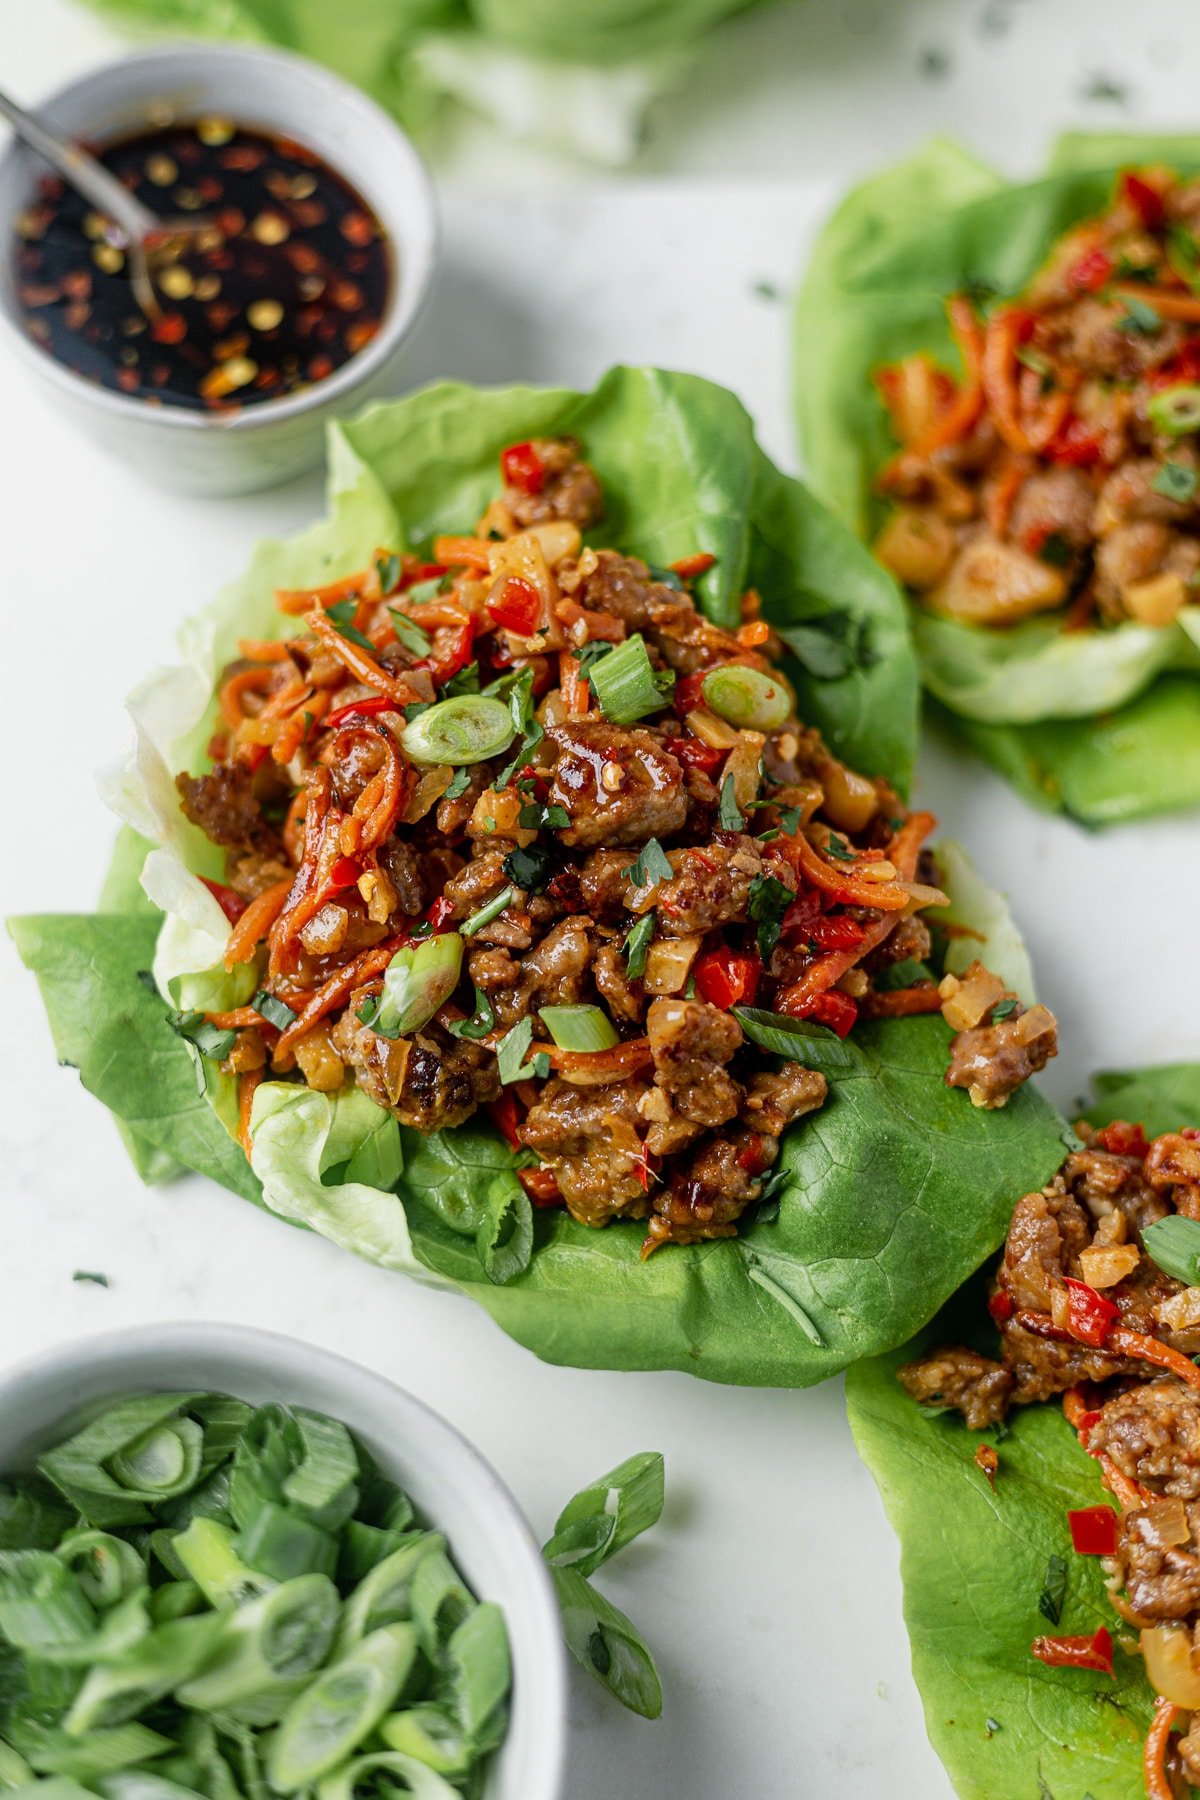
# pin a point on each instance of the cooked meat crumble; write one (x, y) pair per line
(1057, 473)
(630, 847)
(1085, 1312)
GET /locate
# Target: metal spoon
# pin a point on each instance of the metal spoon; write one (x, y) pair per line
(145, 236)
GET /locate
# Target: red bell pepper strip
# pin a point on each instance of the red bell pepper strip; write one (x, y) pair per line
(1093, 270)
(540, 1184)
(1090, 1317)
(365, 709)
(1095, 1652)
(697, 755)
(345, 872)
(1001, 1305)
(422, 572)
(1146, 201)
(503, 1114)
(1094, 1530)
(231, 904)
(517, 607)
(1075, 445)
(832, 1008)
(523, 469)
(727, 977)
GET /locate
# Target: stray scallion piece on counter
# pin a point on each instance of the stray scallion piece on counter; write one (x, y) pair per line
(202, 1597)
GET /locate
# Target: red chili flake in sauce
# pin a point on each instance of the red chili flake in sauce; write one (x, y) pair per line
(242, 311)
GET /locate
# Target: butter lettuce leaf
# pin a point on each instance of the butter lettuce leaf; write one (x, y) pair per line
(974, 1561)
(891, 1194)
(1049, 709)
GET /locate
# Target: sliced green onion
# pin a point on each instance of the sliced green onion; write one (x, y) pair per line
(106, 1567)
(580, 1027)
(478, 1660)
(281, 1637)
(605, 1643)
(429, 1734)
(491, 909)
(52, 1752)
(341, 615)
(637, 942)
(1176, 411)
(1175, 481)
(470, 728)
(416, 984)
(208, 1553)
(798, 1040)
(115, 1692)
(327, 1722)
(748, 698)
(1174, 1244)
(323, 1485)
(629, 1499)
(389, 569)
(440, 1601)
(280, 1544)
(163, 1462)
(384, 1597)
(627, 686)
(378, 1773)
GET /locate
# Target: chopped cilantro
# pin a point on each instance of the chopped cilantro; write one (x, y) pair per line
(729, 814)
(1003, 1009)
(388, 568)
(591, 652)
(768, 901)
(1139, 319)
(651, 866)
(529, 869)
(666, 577)
(537, 816)
(482, 1022)
(274, 1010)
(1055, 549)
(637, 942)
(415, 708)
(342, 616)
(510, 1055)
(465, 682)
(409, 633)
(1175, 481)
(838, 848)
(92, 1275)
(426, 590)
(459, 784)
(1054, 1590)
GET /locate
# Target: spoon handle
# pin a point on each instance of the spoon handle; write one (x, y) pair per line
(83, 172)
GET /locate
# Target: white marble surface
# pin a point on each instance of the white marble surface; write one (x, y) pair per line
(770, 1592)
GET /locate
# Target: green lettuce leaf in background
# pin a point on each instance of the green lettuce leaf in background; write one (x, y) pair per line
(1101, 725)
(974, 1561)
(575, 75)
(873, 1229)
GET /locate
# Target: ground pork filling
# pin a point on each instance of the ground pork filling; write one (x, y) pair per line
(416, 903)
(1058, 472)
(1084, 1311)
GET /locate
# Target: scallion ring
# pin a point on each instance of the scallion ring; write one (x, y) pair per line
(626, 684)
(579, 1027)
(469, 728)
(1176, 411)
(747, 698)
(416, 984)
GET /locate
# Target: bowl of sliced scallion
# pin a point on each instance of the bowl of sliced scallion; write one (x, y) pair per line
(231, 1563)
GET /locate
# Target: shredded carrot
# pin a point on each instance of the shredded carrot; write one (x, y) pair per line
(1081, 1417)
(841, 881)
(1045, 427)
(600, 1066)
(1166, 302)
(1124, 1342)
(338, 988)
(753, 633)
(689, 567)
(264, 649)
(245, 681)
(295, 729)
(302, 600)
(247, 1088)
(967, 403)
(1001, 495)
(360, 662)
(572, 684)
(474, 552)
(602, 625)
(1000, 380)
(901, 1003)
(255, 923)
(291, 919)
(1154, 1756)
(236, 1019)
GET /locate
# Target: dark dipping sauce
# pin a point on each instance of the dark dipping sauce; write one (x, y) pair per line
(290, 284)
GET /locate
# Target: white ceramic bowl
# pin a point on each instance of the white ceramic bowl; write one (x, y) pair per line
(214, 453)
(43, 1400)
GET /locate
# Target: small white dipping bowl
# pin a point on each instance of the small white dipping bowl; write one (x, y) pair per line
(42, 1401)
(199, 452)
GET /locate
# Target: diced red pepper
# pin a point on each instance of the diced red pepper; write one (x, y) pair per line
(1090, 1317)
(689, 567)
(1095, 1652)
(697, 755)
(437, 918)
(345, 872)
(1094, 1530)
(231, 904)
(517, 607)
(452, 648)
(1123, 1139)
(1075, 445)
(752, 1158)
(504, 1116)
(727, 977)
(365, 709)
(1190, 1131)
(689, 694)
(1184, 366)
(422, 572)
(523, 469)
(1146, 201)
(540, 1184)
(1093, 270)
(1001, 1305)
(836, 931)
(832, 1008)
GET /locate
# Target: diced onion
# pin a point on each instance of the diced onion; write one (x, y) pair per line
(1167, 1653)
(669, 963)
(1104, 1267)
(1164, 1523)
(966, 999)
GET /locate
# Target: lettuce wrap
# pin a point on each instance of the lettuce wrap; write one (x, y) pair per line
(974, 1561)
(1102, 725)
(872, 1230)
(577, 78)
